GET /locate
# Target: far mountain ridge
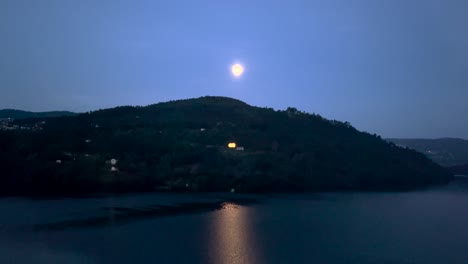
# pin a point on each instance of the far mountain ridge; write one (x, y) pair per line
(20, 114)
(460, 169)
(445, 151)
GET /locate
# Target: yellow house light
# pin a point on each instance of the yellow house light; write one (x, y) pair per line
(232, 145)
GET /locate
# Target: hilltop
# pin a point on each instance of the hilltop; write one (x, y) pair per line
(183, 145)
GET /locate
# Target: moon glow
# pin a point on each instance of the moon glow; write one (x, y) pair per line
(237, 70)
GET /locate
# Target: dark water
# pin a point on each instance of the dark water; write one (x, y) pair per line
(411, 227)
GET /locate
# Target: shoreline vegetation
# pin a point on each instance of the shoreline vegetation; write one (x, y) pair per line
(184, 146)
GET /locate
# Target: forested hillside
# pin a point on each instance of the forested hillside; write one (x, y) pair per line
(183, 145)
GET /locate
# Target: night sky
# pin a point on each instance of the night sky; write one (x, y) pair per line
(398, 68)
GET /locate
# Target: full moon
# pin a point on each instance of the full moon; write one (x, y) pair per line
(237, 70)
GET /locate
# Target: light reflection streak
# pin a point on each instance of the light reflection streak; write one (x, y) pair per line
(232, 238)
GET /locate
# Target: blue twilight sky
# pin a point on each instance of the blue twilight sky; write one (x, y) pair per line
(398, 68)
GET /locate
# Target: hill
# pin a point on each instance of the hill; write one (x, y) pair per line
(444, 151)
(18, 114)
(183, 145)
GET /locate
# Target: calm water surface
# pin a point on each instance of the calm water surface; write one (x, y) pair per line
(410, 227)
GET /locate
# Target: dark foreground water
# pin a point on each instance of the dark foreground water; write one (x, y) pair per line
(411, 227)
